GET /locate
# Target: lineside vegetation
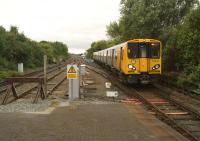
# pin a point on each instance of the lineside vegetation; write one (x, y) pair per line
(16, 48)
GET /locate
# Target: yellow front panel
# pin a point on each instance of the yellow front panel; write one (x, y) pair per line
(154, 62)
(135, 63)
(144, 65)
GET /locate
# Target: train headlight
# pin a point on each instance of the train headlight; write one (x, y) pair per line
(156, 66)
(130, 66)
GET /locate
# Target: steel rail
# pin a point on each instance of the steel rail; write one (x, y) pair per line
(163, 116)
(33, 88)
(55, 87)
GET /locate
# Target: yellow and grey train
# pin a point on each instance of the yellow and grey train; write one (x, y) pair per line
(137, 60)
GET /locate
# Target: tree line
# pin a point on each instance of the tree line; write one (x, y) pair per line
(16, 48)
(174, 22)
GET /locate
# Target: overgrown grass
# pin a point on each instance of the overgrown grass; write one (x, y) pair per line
(5, 74)
(181, 80)
(6, 65)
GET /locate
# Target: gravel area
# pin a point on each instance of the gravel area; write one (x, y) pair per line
(25, 105)
(92, 101)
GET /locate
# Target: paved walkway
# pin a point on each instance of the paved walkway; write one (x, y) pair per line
(86, 122)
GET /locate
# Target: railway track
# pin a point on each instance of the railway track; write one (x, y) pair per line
(182, 118)
(55, 73)
(39, 73)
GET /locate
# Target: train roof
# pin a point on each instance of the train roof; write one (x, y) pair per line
(133, 40)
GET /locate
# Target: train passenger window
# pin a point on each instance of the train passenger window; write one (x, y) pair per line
(155, 50)
(132, 50)
(115, 55)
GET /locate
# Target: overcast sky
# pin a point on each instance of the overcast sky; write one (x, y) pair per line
(74, 22)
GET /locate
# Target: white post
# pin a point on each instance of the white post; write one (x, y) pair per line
(74, 88)
(20, 68)
(76, 83)
(70, 89)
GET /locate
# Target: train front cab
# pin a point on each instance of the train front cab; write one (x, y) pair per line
(141, 60)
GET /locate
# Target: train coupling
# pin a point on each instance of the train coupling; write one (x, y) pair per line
(144, 79)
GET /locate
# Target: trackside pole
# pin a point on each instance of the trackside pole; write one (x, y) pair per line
(45, 75)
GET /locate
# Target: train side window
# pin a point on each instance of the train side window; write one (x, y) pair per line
(115, 55)
(107, 55)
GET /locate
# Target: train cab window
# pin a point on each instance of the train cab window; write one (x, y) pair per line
(132, 50)
(155, 50)
(143, 50)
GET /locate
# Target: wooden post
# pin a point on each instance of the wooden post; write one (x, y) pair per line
(45, 75)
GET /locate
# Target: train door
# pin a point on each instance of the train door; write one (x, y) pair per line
(118, 53)
(115, 58)
(112, 57)
(107, 57)
(121, 58)
(102, 56)
(143, 54)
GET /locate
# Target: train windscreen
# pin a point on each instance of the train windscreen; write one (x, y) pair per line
(132, 50)
(144, 50)
(137, 50)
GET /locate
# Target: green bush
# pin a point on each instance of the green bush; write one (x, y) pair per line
(6, 65)
(170, 78)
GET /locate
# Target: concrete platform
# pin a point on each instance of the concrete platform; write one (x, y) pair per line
(87, 122)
